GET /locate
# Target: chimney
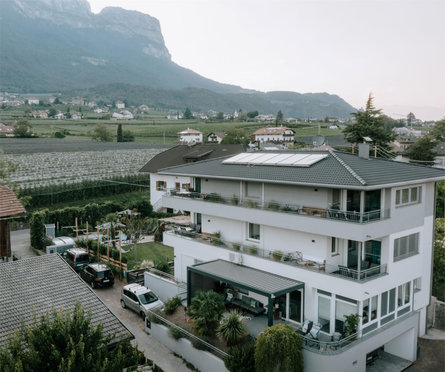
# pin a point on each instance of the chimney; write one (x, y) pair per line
(363, 150)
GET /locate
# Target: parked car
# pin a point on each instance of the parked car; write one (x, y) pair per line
(77, 258)
(140, 299)
(97, 275)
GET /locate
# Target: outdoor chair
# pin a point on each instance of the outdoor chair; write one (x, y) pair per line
(344, 271)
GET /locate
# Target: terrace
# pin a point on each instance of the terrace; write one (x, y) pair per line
(295, 258)
(332, 213)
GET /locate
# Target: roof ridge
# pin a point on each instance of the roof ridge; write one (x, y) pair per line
(347, 167)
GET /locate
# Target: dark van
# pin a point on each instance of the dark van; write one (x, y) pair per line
(77, 258)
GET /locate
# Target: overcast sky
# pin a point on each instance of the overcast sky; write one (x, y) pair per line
(396, 49)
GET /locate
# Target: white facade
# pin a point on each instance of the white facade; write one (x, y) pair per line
(190, 136)
(375, 264)
(159, 184)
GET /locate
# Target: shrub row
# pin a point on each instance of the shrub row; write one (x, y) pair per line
(52, 194)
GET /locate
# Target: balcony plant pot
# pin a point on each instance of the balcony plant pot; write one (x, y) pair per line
(236, 246)
(252, 250)
(277, 255)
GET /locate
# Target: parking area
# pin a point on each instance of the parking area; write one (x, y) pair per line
(152, 349)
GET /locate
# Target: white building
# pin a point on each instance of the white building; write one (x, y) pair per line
(274, 134)
(190, 136)
(123, 115)
(120, 105)
(179, 155)
(33, 101)
(215, 137)
(314, 237)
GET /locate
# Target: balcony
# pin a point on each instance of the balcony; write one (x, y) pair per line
(295, 258)
(326, 213)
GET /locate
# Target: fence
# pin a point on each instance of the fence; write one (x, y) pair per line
(109, 260)
(436, 314)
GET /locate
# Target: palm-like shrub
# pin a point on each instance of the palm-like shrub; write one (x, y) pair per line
(232, 328)
(206, 309)
(171, 305)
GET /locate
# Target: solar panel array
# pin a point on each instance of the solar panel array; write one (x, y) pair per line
(275, 159)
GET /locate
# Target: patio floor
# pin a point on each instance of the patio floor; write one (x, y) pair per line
(388, 363)
(256, 324)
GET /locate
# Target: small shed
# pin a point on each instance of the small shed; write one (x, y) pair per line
(10, 207)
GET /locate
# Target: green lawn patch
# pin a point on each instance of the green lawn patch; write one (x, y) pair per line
(152, 251)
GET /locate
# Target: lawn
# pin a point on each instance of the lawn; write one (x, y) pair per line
(152, 251)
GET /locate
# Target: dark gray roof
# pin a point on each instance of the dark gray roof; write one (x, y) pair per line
(41, 283)
(253, 279)
(183, 154)
(338, 169)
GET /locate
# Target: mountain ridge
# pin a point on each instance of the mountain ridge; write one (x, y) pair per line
(60, 45)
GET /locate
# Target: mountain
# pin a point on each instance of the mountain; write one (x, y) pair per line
(60, 45)
(314, 105)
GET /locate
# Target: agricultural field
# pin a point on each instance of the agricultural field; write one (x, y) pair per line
(49, 168)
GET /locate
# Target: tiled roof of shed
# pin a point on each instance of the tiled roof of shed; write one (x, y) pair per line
(44, 282)
(9, 204)
(336, 170)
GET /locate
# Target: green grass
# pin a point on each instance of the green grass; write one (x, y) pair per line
(125, 198)
(152, 251)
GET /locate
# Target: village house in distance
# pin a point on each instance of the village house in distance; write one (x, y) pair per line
(337, 245)
(190, 136)
(274, 134)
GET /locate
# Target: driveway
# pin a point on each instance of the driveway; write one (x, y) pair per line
(152, 349)
(20, 244)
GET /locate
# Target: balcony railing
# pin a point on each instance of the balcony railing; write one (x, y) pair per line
(329, 213)
(327, 346)
(295, 258)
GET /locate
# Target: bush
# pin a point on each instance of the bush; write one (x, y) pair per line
(175, 333)
(252, 250)
(277, 255)
(242, 358)
(236, 246)
(162, 265)
(206, 310)
(197, 344)
(231, 328)
(155, 319)
(171, 305)
(279, 348)
(37, 226)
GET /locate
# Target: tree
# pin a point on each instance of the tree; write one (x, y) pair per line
(439, 260)
(232, 328)
(422, 149)
(66, 341)
(134, 227)
(52, 112)
(438, 132)
(235, 136)
(369, 123)
(119, 133)
(279, 348)
(6, 169)
(127, 136)
(101, 133)
(57, 101)
(279, 117)
(187, 114)
(252, 114)
(23, 129)
(410, 119)
(242, 358)
(206, 309)
(220, 116)
(37, 230)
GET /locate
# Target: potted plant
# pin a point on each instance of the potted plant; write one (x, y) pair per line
(250, 203)
(351, 324)
(275, 206)
(252, 250)
(234, 200)
(236, 246)
(277, 255)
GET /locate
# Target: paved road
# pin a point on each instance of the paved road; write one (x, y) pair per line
(147, 343)
(20, 245)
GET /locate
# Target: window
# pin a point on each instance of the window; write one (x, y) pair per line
(417, 284)
(186, 186)
(334, 247)
(406, 246)
(324, 313)
(161, 185)
(254, 231)
(403, 294)
(370, 309)
(388, 302)
(177, 186)
(343, 307)
(408, 196)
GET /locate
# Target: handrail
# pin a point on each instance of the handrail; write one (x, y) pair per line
(329, 213)
(212, 348)
(295, 258)
(328, 346)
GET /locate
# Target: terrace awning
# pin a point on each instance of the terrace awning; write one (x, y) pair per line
(244, 277)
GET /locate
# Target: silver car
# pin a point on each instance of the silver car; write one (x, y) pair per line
(140, 299)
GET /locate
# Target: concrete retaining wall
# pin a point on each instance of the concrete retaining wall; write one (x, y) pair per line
(202, 360)
(163, 287)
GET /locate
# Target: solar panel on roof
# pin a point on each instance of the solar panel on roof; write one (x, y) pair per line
(277, 159)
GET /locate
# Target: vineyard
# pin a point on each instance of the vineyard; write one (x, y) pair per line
(45, 169)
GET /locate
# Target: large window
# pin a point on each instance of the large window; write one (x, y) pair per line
(343, 307)
(254, 231)
(370, 309)
(324, 312)
(408, 196)
(406, 246)
(161, 185)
